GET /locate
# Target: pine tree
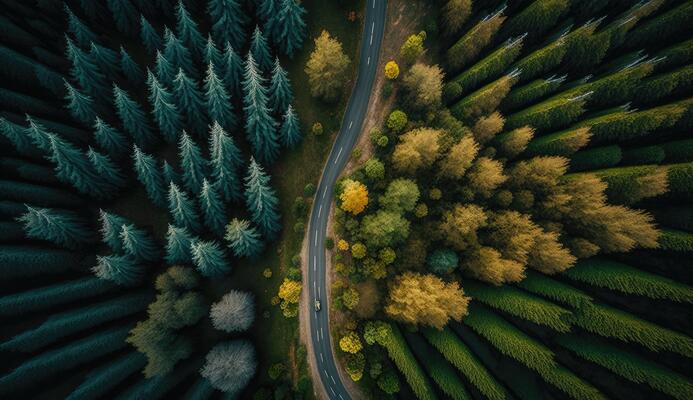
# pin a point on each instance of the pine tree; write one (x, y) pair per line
(261, 200)
(212, 208)
(81, 106)
(151, 40)
(219, 105)
(86, 73)
(289, 29)
(169, 174)
(82, 34)
(18, 137)
(106, 169)
(190, 102)
(106, 59)
(177, 54)
(122, 270)
(187, 30)
(193, 164)
(164, 70)
(280, 93)
(130, 69)
(228, 21)
(73, 166)
(182, 209)
(268, 11)
(111, 225)
(133, 118)
(178, 241)
(149, 175)
(124, 15)
(243, 238)
(290, 132)
(39, 135)
(109, 139)
(225, 162)
(138, 244)
(165, 111)
(212, 55)
(259, 124)
(232, 71)
(60, 227)
(260, 50)
(209, 259)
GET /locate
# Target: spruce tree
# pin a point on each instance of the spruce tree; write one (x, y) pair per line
(187, 30)
(111, 225)
(260, 50)
(194, 166)
(138, 244)
(219, 105)
(73, 166)
(39, 135)
(182, 209)
(151, 40)
(268, 10)
(82, 34)
(86, 73)
(211, 54)
(165, 111)
(178, 241)
(109, 139)
(106, 59)
(81, 106)
(124, 15)
(164, 70)
(130, 69)
(169, 174)
(290, 132)
(106, 169)
(18, 137)
(212, 208)
(260, 127)
(243, 238)
(209, 259)
(232, 71)
(120, 269)
(261, 201)
(177, 54)
(60, 227)
(228, 21)
(149, 175)
(289, 28)
(133, 118)
(225, 162)
(280, 93)
(190, 102)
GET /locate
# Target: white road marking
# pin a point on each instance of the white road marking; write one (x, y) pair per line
(324, 192)
(325, 371)
(318, 337)
(338, 155)
(315, 287)
(316, 238)
(368, 62)
(350, 124)
(315, 260)
(322, 334)
(321, 358)
(332, 377)
(318, 291)
(340, 396)
(371, 7)
(332, 390)
(319, 210)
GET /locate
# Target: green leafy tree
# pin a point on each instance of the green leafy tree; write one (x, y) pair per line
(384, 228)
(326, 67)
(412, 47)
(442, 261)
(401, 195)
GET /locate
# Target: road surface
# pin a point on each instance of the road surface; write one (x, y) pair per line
(373, 29)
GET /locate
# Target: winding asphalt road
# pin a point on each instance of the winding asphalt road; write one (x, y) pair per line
(319, 329)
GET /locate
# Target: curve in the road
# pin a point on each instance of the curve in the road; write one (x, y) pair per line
(373, 30)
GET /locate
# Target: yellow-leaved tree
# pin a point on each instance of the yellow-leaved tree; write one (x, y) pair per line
(391, 70)
(326, 67)
(354, 197)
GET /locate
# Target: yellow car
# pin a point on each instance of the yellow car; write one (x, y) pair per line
(317, 305)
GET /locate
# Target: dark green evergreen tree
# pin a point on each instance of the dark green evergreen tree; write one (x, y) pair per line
(103, 379)
(232, 73)
(178, 241)
(119, 269)
(212, 208)
(243, 238)
(194, 166)
(18, 137)
(130, 69)
(60, 227)
(190, 102)
(209, 259)
(109, 139)
(80, 105)
(124, 15)
(106, 169)
(290, 132)
(73, 166)
(261, 201)
(212, 55)
(225, 162)
(280, 92)
(111, 225)
(268, 10)
(82, 34)
(187, 30)
(86, 73)
(177, 54)
(170, 174)
(164, 70)
(218, 101)
(138, 244)
(228, 21)
(133, 118)
(151, 40)
(260, 127)
(106, 59)
(182, 209)
(150, 176)
(289, 28)
(260, 50)
(165, 111)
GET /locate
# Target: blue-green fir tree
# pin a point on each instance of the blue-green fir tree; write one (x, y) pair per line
(150, 176)
(232, 71)
(280, 92)
(268, 10)
(212, 208)
(138, 244)
(289, 28)
(60, 227)
(85, 72)
(260, 50)
(187, 30)
(17, 135)
(81, 106)
(164, 69)
(106, 169)
(243, 239)
(106, 59)
(109, 139)
(178, 241)
(218, 101)
(150, 38)
(82, 34)
(261, 201)
(182, 209)
(133, 118)
(290, 132)
(73, 166)
(228, 21)
(111, 225)
(124, 15)
(165, 111)
(119, 269)
(192, 163)
(260, 126)
(190, 102)
(209, 259)
(130, 69)
(39, 135)
(170, 174)
(177, 54)
(225, 161)
(212, 55)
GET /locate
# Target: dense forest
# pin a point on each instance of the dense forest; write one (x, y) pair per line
(137, 137)
(522, 226)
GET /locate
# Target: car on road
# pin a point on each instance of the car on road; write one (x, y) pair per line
(317, 305)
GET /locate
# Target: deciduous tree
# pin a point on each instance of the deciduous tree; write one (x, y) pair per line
(326, 67)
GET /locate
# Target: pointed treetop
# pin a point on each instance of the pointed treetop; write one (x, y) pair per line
(212, 55)
(129, 67)
(260, 49)
(289, 28)
(150, 38)
(187, 29)
(81, 106)
(290, 133)
(82, 34)
(228, 21)
(281, 94)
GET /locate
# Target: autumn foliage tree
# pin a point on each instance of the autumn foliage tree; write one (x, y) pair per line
(326, 67)
(354, 197)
